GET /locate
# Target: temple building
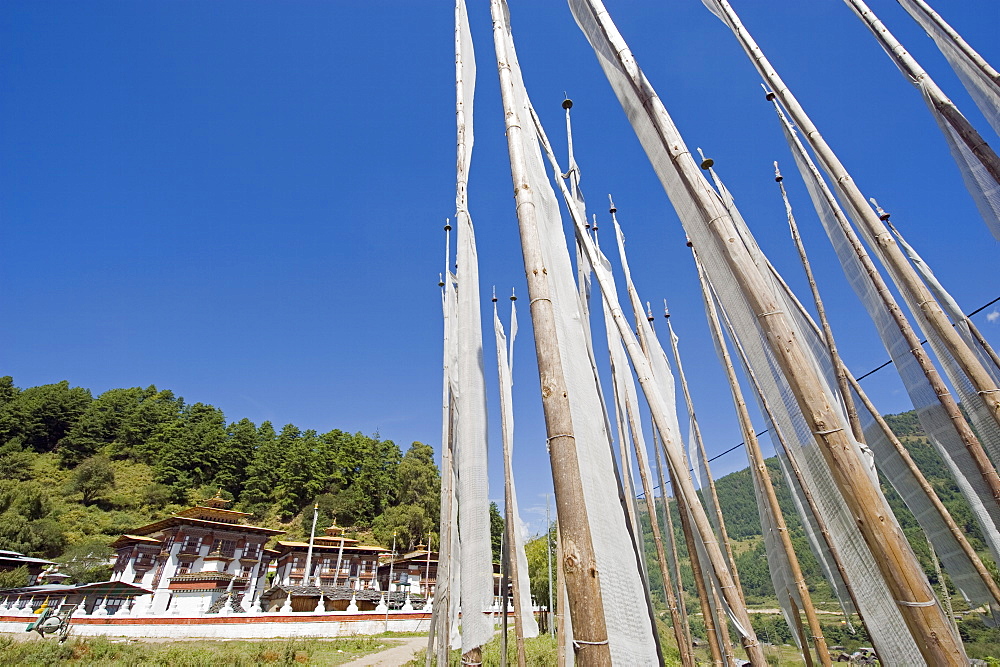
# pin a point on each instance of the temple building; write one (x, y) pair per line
(11, 560)
(336, 561)
(195, 557)
(341, 570)
(414, 572)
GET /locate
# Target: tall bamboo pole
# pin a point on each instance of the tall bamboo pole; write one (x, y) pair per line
(958, 316)
(896, 560)
(796, 471)
(831, 344)
(503, 368)
(712, 634)
(892, 256)
(957, 40)
(849, 383)
(661, 557)
(579, 563)
(921, 79)
(658, 408)
(759, 469)
(696, 433)
(945, 397)
(676, 586)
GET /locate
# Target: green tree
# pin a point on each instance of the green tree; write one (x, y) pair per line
(92, 478)
(155, 410)
(15, 462)
(496, 530)
(42, 416)
(8, 392)
(100, 425)
(16, 578)
(418, 480)
(297, 482)
(188, 448)
(367, 468)
(262, 474)
(86, 562)
(538, 565)
(410, 524)
(235, 455)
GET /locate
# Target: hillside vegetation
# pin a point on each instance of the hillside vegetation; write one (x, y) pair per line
(76, 471)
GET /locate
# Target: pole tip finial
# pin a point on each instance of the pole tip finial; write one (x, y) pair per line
(882, 215)
(768, 94)
(777, 173)
(440, 280)
(513, 297)
(494, 294)
(706, 163)
(567, 104)
(687, 242)
(447, 224)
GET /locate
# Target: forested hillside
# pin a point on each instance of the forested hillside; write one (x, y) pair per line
(742, 520)
(76, 471)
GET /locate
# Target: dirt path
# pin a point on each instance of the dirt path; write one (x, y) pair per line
(392, 656)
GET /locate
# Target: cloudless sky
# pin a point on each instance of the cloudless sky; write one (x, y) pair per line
(243, 201)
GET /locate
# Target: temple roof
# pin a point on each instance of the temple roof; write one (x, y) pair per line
(181, 519)
(285, 547)
(128, 539)
(18, 559)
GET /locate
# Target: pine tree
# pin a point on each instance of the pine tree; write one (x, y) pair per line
(235, 455)
(188, 449)
(262, 474)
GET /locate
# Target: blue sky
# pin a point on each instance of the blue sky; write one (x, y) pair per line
(242, 201)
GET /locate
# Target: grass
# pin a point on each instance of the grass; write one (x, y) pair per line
(104, 651)
(540, 652)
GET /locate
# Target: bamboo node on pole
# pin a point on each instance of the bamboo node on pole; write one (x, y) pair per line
(926, 603)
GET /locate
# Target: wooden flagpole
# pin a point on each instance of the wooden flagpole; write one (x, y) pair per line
(921, 79)
(683, 644)
(759, 469)
(896, 560)
(440, 612)
(579, 563)
(928, 489)
(696, 433)
(676, 586)
(848, 381)
(719, 655)
(894, 258)
(796, 470)
(945, 397)
(657, 406)
(957, 40)
(973, 329)
(508, 476)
